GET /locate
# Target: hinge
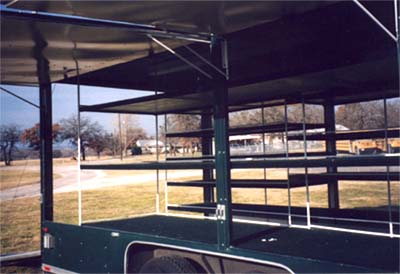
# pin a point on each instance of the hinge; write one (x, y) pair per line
(220, 212)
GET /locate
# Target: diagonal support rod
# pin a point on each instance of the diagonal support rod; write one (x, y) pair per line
(376, 20)
(19, 97)
(180, 56)
(206, 61)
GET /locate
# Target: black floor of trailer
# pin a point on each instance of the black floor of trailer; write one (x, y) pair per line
(339, 247)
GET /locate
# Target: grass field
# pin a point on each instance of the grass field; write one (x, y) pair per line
(17, 178)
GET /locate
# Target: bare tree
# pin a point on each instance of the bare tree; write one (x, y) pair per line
(183, 122)
(9, 136)
(100, 141)
(129, 131)
(366, 115)
(89, 130)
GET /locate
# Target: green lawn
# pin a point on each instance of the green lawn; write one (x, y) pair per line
(16, 178)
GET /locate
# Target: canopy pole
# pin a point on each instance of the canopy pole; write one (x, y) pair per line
(264, 152)
(389, 190)
(157, 171)
(288, 169)
(305, 158)
(79, 147)
(166, 170)
(222, 162)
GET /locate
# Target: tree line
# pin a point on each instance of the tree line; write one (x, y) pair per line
(92, 136)
(357, 116)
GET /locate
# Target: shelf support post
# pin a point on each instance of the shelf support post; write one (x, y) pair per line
(222, 159)
(45, 132)
(206, 149)
(330, 146)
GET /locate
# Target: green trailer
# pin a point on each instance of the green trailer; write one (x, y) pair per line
(211, 59)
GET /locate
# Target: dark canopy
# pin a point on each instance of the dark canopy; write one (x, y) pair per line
(276, 49)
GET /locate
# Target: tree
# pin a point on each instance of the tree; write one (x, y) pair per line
(99, 142)
(89, 130)
(9, 136)
(183, 122)
(365, 115)
(129, 131)
(31, 136)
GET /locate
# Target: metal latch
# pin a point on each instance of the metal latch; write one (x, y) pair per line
(220, 212)
(48, 241)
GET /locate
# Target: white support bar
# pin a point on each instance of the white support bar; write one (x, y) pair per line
(288, 169)
(180, 56)
(370, 15)
(206, 61)
(355, 231)
(79, 153)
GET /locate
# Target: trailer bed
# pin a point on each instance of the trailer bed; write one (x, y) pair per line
(375, 252)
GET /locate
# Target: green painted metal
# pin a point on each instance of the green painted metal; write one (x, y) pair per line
(98, 249)
(46, 138)
(206, 149)
(330, 145)
(222, 161)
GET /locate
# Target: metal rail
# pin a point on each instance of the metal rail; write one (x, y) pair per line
(180, 57)
(376, 20)
(19, 97)
(101, 23)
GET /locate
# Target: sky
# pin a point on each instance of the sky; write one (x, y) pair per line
(15, 111)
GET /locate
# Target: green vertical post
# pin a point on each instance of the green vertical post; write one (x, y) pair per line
(45, 131)
(222, 159)
(330, 146)
(206, 149)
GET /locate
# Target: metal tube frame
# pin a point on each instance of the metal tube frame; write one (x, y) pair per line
(206, 149)
(306, 168)
(389, 191)
(94, 22)
(222, 159)
(288, 169)
(376, 20)
(330, 149)
(263, 144)
(79, 149)
(166, 171)
(180, 57)
(19, 97)
(157, 171)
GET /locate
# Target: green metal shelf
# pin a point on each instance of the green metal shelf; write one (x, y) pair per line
(348, 135)
(380, 160)
(348, 176)
(296, 180)
(153, 165)
(250, 183)
(271, 128)
(255, 156)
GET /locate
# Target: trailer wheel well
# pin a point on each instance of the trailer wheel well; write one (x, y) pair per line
(138, 254)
